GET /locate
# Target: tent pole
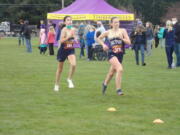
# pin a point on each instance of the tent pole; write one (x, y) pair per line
(62, 3)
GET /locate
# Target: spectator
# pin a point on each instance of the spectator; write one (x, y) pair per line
(51, 40)
(160, 36)
(27, 34)
(177, 40)
(156, 31)
(139, 43)
(42, 25)
(149, 38)
(86, 30)
(42, 46)
(169, 35)
(21, 34)
(100, 28)
(58, 32)
(50, 23)
(90, 41)
(81, 31)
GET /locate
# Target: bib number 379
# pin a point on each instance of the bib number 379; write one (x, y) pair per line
(117, 49)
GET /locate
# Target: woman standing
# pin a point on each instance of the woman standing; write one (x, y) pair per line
(81, 30)
(169, 35)
(118, 38)
(149, 38)
(66, 50)
(139, 44)
(90, 42)
(27, 35)
(156, 38)
(160, 36)
(51, 40)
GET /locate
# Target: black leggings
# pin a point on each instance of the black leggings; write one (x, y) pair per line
(169, 54)
(156, 42)
(51, 49)
(90, 52)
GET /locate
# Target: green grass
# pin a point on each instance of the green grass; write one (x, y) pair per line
(29, 106)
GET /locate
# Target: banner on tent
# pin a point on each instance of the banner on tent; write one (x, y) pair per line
(122, 17)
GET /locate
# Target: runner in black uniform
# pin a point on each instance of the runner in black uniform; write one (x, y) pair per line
(118, 38)
(116, 48)
(66, 51)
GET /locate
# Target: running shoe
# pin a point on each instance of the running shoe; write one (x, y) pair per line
(119, 92)
(56, 87)
(70, 83)
(104, 87)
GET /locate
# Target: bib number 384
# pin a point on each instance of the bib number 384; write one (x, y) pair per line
(69, 46)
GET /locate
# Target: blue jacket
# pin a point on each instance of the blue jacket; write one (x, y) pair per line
(42, 26)
(90, 38)
(169, 37)
(58, 34)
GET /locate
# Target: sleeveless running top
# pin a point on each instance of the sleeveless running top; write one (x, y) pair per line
(68, 45)
(116, 45)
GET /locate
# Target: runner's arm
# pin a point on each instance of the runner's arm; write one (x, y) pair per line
(100, 40)
(126, 38)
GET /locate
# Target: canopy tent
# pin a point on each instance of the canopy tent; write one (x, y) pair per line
(90, 10)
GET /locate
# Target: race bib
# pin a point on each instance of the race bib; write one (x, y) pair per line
(117, 49)
(68, 45)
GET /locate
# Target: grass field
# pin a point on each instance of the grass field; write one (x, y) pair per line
(29, 106)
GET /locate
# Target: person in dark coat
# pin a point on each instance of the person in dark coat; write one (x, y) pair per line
(177, 40)
(21, 34)
(27, 34)
(139, 44)
(169, 35)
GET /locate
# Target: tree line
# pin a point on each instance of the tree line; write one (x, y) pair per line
(33, 10)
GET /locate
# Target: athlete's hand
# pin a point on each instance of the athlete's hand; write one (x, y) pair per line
(123, 39)
(105, 47)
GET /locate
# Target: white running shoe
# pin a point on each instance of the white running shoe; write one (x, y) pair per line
(173, 65)
(56, 88)
(70, 83)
